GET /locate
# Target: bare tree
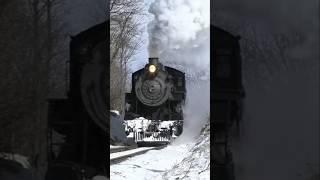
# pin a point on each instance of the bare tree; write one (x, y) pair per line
(125, 39)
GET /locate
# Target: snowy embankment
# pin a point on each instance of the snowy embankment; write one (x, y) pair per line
(117, 132)
(179, 160)
(150, 165)
(197, 164)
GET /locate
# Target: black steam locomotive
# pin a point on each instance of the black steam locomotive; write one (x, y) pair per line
(158, 94)
(226, 99)
(81, 118)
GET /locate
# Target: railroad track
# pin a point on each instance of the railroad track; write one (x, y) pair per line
(116, 149)
(123, 153)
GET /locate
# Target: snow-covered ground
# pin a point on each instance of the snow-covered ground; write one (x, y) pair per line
(196, 166)
(150, 165)
(189, 160)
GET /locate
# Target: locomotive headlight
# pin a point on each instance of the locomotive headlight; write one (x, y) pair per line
(152, 68)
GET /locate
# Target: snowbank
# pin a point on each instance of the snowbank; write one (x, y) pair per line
(117, 131)
(197, 164)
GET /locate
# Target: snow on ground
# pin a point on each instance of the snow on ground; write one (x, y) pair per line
(197, 164)
(150, 165)
(180, 160)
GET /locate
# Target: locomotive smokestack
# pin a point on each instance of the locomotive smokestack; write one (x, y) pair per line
(153, 60)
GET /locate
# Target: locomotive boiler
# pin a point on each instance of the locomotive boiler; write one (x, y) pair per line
(158, 94)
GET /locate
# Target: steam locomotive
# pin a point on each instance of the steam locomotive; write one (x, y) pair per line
(158, 94)
(81, 118)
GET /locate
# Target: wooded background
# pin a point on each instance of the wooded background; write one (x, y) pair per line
(126, 28)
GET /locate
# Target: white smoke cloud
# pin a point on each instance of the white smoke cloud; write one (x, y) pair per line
(196, 110)
(178, 21)
(179, 33)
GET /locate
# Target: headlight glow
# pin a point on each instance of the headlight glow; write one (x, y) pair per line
(152, 68)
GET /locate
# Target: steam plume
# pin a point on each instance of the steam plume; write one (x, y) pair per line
(179, 35)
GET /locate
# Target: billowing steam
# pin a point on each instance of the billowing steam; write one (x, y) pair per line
(176, 22)
(179, 35)
(196, 111)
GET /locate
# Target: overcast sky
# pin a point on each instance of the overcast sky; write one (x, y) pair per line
(141, 58)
